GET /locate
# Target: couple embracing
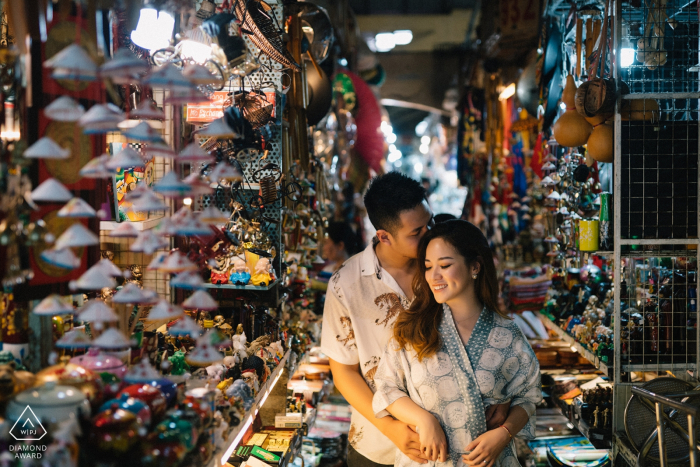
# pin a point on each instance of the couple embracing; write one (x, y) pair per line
(418, 346)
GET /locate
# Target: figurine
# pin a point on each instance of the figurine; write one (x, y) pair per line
(179, 366)
(241, 273)
(219, 274)
(136, 275)
(216, 371)
(251, 379)
(239, 344)
(596, 412)
(262, 276)
(240, 390)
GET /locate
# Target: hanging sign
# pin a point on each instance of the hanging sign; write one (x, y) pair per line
(208, 111)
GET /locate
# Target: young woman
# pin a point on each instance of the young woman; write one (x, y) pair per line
(453, 354)
(338, 246)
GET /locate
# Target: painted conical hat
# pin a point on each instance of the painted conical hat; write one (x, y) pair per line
(125, 158)
(177, 262)
(194, 153)
(199, 186)
(142, 372)
(51, 191)
(213, 215)
(171, 185)
(146, 110)
(167, 77)
(77, 235)
(224, 171)
(204, 354)
(53, 305)
(61, 257)
(132, 293)
(187, 280)
(200, 300)
(192, 227)
(109, 267)
(142, 132)
(185, 326)
(124, 229)
(123, 67)
(218, 129)
(148, 242)
(95, 311)
(74, 339)
(96, 168)
(46, 148)
(72, 63)
(76, 207)
(64, 109)
(101, 118)
(148, 202)
(160, 149)
(164, 311)
(95, 280)
(111, 339)
(199, 75)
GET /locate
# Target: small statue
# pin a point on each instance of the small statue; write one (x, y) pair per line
(240, 390)
(262, 276)
(596, 412)
(107, 254)
(219, 273)
(179, 366)
(239, 344)
(257, 344)
(136, 275)
(251, 379)
(240, 274)
(606, 414)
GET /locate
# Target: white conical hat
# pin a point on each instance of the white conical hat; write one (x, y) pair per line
(218, 129)
(95, 280)
(224, 171)
(146, 110)
(164, 311)
(124, 229)
(191, 227)
(177, 262)
(53, 305)
(72, 63)
(199, 186)
(76, 207)
(148, 242)
(108, 267)
(142, 372)
(61, 257)
(142, 132)
(199, 75)
(184, 214)
(140, 190)
(111, 339)
(200, 300)
(167, 77)
(123, 67)
(77, 235)
(125, 158)
(186, 96)
(46, 148)
(161, 149)
(96, 168)
(203, 354)
(97, 311)
(548, 181)
(194, 153)
(554, 195)
(187, 280)
(132, 293)
(185, 326)
(165, 227)
(148, 202)
(51, 191)
(64, 109)
(74, 339)
(171, 185)
(213, 215)
(101, 118)
(157, 261)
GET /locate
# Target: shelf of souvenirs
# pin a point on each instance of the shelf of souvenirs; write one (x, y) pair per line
(587, 354)
(148, 224)
(600, 438)
(242, 287)
(237, 433)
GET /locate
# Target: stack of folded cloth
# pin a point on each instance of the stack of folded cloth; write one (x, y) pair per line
(528, 293)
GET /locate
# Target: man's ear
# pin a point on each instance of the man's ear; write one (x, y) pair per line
(384, 237)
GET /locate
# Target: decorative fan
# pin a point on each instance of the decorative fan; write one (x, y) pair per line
(255, 107)
(257, 22)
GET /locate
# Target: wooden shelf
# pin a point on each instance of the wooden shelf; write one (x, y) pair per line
(587, 354)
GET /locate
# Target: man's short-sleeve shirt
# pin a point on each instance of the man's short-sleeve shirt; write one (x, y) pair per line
(362, 303)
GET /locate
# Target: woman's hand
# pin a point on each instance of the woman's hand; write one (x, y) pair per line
(486, 448)
(433, 444)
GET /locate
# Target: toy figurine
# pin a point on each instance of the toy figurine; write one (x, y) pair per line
(240, 390)
(219, 274)
(262, 276)
(241, 273)
(251, 379)
(179, 366)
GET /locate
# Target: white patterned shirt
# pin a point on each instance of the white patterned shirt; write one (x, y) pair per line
(362, 303)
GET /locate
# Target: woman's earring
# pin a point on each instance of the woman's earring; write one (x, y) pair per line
(474, 276)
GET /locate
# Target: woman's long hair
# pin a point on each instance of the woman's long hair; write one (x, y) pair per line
(417, 327)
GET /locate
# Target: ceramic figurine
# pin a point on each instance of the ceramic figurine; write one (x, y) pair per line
(251, 379)
(220, 430)
(262, 275)
(179, 366)
(220, 273)
(240, 274)
(238, 343)
(240, 390)
(216, 371)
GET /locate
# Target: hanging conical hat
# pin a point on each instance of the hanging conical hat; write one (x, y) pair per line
(142, 132)
(200, 300)
(74, 339)
(167, 77)
(53, 305)
(97, 311)
(61, 257)
(192, 227)
(199, 75)
(171, 185)
(187, 280)
(177, 262)
(132, 293)
(72, 63)
(64, 109)
(51, 191)
(142, 372)
(165, 227)
(125, 158)
(46, 148)
(111, 339)
(124, 229)
(108, 267)
(195, 154)
(96, 168)
(146, 110)
(123, 67)
(187, 96)
(148, 242)
(164, 311)
(76, 207)
(218, 129)
(148, 202)
(77, 235)
(101, 118)
(95, 280)
(185, 326)
(213, 215)
(199, 186)
(224, 171)
(204, 354)
(157, 261)
(160, 149)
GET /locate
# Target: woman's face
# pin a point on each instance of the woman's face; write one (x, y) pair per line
(331, 251)
(446, 271)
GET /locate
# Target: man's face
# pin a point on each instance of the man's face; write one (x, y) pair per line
(414, 224)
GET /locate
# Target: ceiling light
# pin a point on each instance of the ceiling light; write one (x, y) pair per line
(403, 37)
(384, 41)
(154, 29)
(626, 54)
(507, 93)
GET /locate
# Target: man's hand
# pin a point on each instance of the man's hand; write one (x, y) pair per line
(496, 415)
(405, 438)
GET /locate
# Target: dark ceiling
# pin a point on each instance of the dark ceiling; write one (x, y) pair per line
(408, 7)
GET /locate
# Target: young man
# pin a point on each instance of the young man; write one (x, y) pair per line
(364, 297)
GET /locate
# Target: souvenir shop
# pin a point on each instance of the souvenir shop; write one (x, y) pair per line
(176, 178)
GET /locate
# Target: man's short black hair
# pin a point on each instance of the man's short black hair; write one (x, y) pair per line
(388, 196)
(443, 217)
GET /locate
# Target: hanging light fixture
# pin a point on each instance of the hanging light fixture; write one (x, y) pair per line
(154, 29)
